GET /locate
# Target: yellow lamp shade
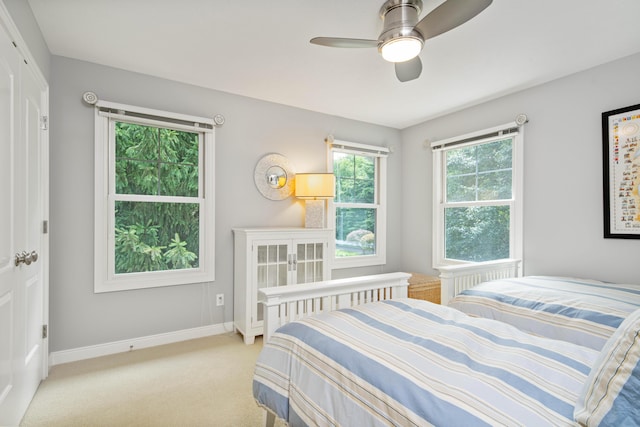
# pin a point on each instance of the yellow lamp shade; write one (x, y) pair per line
(315, 185)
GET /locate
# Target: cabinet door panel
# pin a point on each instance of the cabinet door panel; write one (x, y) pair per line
(283, 274)
(301, 269)
(309, 262)
(271, 270)
(319, 269)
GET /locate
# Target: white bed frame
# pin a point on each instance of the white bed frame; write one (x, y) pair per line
(456, 278)
(284, 304)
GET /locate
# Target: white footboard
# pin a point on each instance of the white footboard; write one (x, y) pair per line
(456, 278)
(284, 304)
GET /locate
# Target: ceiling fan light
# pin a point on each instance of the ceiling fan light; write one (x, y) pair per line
(401, 49)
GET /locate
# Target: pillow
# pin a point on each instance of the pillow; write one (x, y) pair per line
(611, 394)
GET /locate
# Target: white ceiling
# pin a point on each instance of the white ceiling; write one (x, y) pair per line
(261, 49)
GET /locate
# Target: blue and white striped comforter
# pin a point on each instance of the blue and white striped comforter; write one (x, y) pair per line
(412, 363)
(585, 312)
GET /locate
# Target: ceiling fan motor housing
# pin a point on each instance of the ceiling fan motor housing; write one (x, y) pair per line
(399, 18)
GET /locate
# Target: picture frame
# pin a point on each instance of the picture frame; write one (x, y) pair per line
(621, 172)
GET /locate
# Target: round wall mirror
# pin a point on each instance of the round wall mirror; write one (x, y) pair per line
(274, 177)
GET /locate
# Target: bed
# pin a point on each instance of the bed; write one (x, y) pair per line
(379, 358)
(585, 312)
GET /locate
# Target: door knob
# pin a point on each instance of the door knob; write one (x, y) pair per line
(34, 257)
(26, 258)
(20, 258)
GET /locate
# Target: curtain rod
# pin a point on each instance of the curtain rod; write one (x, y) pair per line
(357, 147)
(504, 130)
(121, 111)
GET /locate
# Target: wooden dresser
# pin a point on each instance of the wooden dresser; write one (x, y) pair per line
(424, 287)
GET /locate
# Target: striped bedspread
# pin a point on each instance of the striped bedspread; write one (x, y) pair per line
(585, 312)
(412, 363)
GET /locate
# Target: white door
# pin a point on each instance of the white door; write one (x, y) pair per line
(22, 282)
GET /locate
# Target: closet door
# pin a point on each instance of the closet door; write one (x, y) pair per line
(21, 235)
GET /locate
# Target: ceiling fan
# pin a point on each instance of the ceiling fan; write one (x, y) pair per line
(403, 36)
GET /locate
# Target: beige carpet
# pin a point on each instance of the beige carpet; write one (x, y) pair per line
(203, 382)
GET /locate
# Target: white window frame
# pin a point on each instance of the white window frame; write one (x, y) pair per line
(105, 279)
(493, 134)
(380, 204)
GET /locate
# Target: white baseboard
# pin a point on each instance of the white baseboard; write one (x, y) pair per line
(82, 353)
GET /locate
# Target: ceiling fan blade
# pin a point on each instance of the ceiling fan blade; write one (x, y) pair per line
(340, 42)
(449, 15)
(409, 70)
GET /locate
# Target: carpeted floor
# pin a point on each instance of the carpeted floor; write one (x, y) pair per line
(203, 382)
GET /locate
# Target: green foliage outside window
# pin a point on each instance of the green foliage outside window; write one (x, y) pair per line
(477, 233)
(479, 173)
(156, 235)
(355, 184)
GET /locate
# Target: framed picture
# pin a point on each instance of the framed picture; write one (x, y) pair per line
(621, 172)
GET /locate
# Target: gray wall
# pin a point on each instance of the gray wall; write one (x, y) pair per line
(563, 184)
(253, 128)
(563, 188)
(563, 202)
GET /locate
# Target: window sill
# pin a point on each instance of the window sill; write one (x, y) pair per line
(361, 261)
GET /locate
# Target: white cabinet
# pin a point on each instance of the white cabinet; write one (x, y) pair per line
(267, 257)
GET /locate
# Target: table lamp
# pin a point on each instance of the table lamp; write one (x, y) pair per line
(314, 188)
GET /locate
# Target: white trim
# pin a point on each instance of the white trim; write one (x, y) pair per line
(161, 199)
(89, 352)
(101, 189)
(518, 194)
(437, 220)
(380, 205)
(105, 280)
(516, 203)
(45, 256)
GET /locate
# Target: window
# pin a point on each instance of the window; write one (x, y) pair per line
(478, 197)
(154, 198)
(359, 207)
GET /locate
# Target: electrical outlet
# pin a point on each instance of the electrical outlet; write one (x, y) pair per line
(219, 299)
